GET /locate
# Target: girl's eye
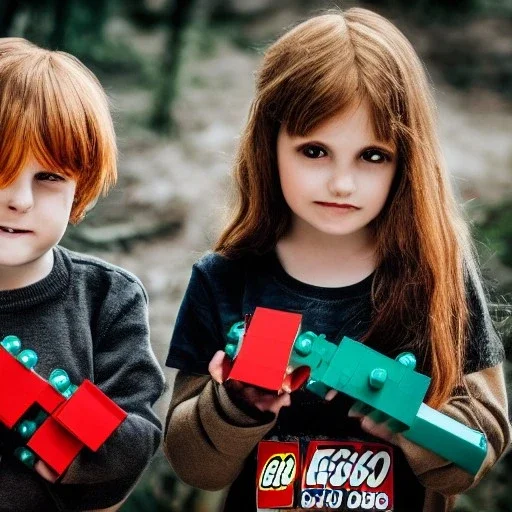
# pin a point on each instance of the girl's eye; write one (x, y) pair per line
(49, 176)
(313, 152)
(375, 156)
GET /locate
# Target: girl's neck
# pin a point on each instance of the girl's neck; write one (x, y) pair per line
(325, 260)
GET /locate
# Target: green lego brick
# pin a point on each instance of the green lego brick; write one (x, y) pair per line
(448, 438)
(380, 382)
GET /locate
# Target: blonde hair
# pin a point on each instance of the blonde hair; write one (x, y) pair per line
(54, 109)
(316, 70)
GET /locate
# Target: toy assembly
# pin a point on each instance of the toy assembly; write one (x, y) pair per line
(52, 420)
(387, 390)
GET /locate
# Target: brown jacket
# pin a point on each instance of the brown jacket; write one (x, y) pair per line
(208, 439)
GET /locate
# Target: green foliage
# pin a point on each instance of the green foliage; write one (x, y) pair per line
(449, 11)
(495, 230)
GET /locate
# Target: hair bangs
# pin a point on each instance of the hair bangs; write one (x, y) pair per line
(52, 108)
(327, 95)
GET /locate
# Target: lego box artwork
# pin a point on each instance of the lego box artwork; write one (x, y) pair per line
(277, 470)
(337, 475)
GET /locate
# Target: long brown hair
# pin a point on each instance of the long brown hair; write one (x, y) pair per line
(54, 109)
(313, 72)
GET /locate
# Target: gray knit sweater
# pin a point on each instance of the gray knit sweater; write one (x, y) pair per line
(89, 318)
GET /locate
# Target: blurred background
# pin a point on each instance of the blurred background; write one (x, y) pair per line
(180, 78)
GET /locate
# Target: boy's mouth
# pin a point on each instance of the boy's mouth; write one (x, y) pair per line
(12, 230)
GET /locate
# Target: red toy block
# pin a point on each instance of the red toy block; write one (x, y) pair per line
(266, 348)
(90, 415)
(53, 444)
(22, 389)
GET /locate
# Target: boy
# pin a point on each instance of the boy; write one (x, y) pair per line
(57, 154)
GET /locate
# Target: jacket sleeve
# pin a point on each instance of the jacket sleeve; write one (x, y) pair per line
(126, 370)
(484, 408)
(207, 438)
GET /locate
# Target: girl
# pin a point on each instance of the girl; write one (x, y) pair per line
(344, 214)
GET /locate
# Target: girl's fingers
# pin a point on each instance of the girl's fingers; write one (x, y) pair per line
(330, 394)
(359, 409)
(283, 400)
(215, 366)
(377, 429)
(45, 471)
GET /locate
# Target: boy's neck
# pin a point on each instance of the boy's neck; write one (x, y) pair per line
(15, 277)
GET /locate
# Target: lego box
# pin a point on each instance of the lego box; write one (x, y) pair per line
(326, 475)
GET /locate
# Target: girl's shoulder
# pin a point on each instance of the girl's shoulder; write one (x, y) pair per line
(213, 265)
(484, 346)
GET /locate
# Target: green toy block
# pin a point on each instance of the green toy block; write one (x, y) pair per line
(448, 438)
(389, 386)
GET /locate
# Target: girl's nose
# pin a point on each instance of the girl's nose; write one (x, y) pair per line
(341, 182)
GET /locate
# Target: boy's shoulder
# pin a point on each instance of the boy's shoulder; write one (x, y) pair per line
(91, 268)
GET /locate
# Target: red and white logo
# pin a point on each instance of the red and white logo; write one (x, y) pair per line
(277, 470)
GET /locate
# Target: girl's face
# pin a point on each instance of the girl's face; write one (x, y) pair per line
(337, 178)
(34, 213)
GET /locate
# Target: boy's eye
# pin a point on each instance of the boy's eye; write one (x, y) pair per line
(375, 156)
(49, 176)
(313, 152)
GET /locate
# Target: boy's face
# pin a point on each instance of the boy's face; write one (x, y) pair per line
(34, 213)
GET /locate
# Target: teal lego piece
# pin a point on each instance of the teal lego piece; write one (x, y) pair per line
(448, 438)
(27, 429)
(26, 456)
(12, 344)
(28, 358)
(235, 336)
(364, 374)
(314, 351)
(59, 379)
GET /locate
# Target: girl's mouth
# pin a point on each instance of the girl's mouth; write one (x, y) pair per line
(343, 206)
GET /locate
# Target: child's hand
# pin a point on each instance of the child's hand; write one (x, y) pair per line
(373, 427)
(371, 421)
(256, 397)
(46, 471)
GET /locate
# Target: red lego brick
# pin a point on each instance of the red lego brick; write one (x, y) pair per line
(22, 389)
(90, 415)
(266, 348)
(53, 444)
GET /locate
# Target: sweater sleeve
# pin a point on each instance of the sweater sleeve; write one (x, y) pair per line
(484, 408)
(207, 438)
(126, 370)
